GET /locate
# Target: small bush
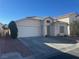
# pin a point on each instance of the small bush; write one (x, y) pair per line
(58, 35)
(65, 35)
(46, 36)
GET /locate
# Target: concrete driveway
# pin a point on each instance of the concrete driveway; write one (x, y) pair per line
(43, 48)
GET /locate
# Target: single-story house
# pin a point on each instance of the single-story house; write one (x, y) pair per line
(50, 26)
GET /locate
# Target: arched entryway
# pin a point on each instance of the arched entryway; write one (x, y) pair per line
(47, 24)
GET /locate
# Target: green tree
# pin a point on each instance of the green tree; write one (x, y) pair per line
(13, 29)
(74, 28)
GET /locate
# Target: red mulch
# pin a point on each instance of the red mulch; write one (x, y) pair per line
(8, 45)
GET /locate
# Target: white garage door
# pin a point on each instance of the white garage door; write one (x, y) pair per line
(29, 31)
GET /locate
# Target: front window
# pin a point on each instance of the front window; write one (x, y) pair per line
(61, 29)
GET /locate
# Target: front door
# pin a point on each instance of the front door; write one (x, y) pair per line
(48, 30)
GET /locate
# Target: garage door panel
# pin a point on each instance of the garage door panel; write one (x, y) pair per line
(29, 31)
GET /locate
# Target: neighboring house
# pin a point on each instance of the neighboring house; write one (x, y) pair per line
(6, 30)
(1, 30)
(48, 26)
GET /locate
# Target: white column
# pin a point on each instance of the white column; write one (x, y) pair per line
(69, 30)
(45, 30)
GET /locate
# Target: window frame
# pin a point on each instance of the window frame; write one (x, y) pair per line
(62, 29)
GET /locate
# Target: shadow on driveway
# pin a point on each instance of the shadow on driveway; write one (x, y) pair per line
(64, 56)
(65, 40)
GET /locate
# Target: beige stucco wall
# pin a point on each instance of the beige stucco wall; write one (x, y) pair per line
(64, 20)
(29, 22)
